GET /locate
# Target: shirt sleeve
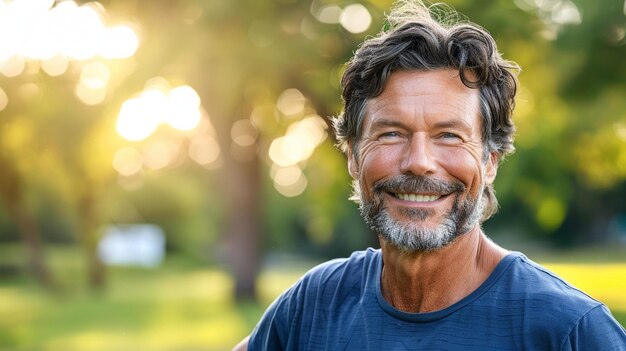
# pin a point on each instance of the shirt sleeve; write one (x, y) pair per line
(596, 330)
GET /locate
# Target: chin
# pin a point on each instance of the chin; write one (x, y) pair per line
(413, 238)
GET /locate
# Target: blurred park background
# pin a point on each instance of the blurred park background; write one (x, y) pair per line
(167, 167)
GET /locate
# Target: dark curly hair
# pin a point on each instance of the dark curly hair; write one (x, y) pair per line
(417, 37)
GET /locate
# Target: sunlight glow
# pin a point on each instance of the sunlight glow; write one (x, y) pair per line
(179, 107)
(55, 66)
(40, 30)
(119, 42)
(134, 122)
(183, 107)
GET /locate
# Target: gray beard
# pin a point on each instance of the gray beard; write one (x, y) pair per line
(411, 237)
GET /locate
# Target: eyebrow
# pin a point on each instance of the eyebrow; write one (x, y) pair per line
(453, 124)
(384, 122)
(457, 124)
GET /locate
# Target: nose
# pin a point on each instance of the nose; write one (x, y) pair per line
(418, 159)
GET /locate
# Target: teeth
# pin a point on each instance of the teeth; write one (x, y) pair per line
(417, 197)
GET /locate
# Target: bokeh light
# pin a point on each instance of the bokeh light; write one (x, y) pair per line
(91, 88)
(140, 116)
(134, 122)
(299, 142)
(291, 102)
(119, 42)
(160, 153)
(183, 108)
(286, 151)
(555, 14)
(244, 133)
(12, 66)
(41, 30)
(204, 150)
(620, 130)
(355, 18)
(127, 161)
(289, 151)
(329, 14)
(4, 99)
(289, 181)
(56, 65)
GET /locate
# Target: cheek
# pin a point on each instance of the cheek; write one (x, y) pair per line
(464, 166)
(379, 163)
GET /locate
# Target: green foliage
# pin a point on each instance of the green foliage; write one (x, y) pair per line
(565, 183)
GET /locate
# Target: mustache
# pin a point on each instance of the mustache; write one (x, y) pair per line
(405, 183)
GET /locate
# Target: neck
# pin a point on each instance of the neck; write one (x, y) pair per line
(430, 281)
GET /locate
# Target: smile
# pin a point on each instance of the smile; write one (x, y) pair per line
(417, 197)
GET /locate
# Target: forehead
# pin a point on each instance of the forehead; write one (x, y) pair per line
(427, 95)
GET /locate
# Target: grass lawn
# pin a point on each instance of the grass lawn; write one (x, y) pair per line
(179, 306)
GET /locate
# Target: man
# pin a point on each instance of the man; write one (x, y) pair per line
(427, 120)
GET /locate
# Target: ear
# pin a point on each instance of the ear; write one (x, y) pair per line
(353, 165)
(491, 168)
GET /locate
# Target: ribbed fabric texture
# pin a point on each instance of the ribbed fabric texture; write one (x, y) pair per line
(338, 305)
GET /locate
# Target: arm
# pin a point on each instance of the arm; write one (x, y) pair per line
(243, 345)
(597, 330)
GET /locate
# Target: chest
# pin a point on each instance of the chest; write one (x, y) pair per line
(369, 327)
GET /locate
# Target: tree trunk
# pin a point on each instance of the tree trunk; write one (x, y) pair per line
(89, 237)
(30, 235)
(31, 239)
(244, 227)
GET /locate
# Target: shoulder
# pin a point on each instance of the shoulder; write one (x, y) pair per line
(326, 288)
(551, 305)
(335, 281)
(332, 276)
(596, 330)
(343, 269)
(539, 284)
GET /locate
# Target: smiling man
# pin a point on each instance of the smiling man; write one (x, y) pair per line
(427, 121)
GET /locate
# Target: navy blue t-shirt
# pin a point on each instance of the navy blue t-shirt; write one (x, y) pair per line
(338, 305)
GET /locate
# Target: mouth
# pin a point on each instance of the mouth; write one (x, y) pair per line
(420, 198)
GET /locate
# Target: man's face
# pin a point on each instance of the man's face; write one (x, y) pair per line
(420, 165)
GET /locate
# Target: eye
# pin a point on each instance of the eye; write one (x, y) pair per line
(448, 135)
(389, 135)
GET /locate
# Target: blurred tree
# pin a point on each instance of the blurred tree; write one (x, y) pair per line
(241, 56)
(564, 182)
(13, 197)
(260, 68)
